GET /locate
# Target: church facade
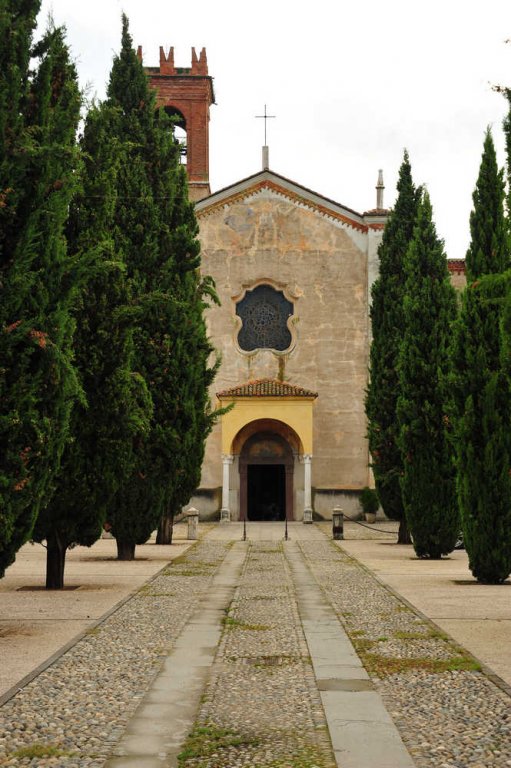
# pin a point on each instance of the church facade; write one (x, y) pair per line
(293, 272)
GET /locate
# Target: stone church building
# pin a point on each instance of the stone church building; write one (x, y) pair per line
(293, 271)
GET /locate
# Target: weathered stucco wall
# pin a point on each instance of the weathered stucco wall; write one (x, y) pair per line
(321, 264)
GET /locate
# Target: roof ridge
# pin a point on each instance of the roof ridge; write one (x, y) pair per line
(267, 388)
(323, 206)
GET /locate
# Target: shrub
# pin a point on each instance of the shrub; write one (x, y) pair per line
(369, 501)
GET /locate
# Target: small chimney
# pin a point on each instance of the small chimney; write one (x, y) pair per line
(266, 158)
(379, 191)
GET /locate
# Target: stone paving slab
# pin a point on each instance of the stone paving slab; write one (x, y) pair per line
(353, 747)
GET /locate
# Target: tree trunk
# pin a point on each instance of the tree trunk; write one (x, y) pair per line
(55, 561)
(125, 550)
(403, 536)
(165, 529)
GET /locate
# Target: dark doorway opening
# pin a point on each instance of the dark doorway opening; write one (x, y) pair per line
(266, 477)
(266, 492)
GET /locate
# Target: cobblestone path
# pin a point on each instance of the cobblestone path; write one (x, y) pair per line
(449, 714)
(261, 707)
(74, 713)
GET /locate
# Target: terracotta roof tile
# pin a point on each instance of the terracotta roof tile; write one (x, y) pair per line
(456, 265)
(377, 212)
(266, 388)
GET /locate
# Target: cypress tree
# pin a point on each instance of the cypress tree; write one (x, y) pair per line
(507, 138)
(132, 514)
(480, 386)
(429, 309)
(488, 252)
(38, 282)
(16, 31)
(387, 322)
(188, 412)
(106, 427)
(185, 415)
(156, 229)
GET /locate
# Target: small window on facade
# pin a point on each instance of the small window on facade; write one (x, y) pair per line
(264, 313)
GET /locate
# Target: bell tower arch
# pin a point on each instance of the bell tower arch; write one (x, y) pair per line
(187, 93)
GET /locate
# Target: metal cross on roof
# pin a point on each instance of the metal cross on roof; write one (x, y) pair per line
(265, 117)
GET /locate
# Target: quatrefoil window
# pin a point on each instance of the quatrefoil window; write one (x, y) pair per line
(264, 313)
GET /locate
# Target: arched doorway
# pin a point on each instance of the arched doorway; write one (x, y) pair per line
(266, 466)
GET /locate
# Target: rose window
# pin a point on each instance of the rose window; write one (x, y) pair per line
(264, 313)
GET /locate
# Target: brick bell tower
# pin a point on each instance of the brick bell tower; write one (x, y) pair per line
(187, 93)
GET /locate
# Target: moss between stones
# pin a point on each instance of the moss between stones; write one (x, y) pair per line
(33, 751)
(205, 740)
(384, 666)
(232, 623)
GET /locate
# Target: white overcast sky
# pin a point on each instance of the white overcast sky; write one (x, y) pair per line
(351, 84)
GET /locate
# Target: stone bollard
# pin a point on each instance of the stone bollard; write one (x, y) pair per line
(225, 515)
(192, 517)
(337, 524)
(307, 515)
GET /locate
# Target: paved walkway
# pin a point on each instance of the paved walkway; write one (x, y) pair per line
(242, 653)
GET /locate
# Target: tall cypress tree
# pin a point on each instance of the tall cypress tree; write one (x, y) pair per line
(40, 167)
(507, 137)
(387, 323)
(429, 309)
(480, 386)
(106, 427)
(186, 411)
(156, 230)
(16, 30)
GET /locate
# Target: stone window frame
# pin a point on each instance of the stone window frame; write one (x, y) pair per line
(291, 296)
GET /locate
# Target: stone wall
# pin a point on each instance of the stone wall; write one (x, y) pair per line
(321, 264)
